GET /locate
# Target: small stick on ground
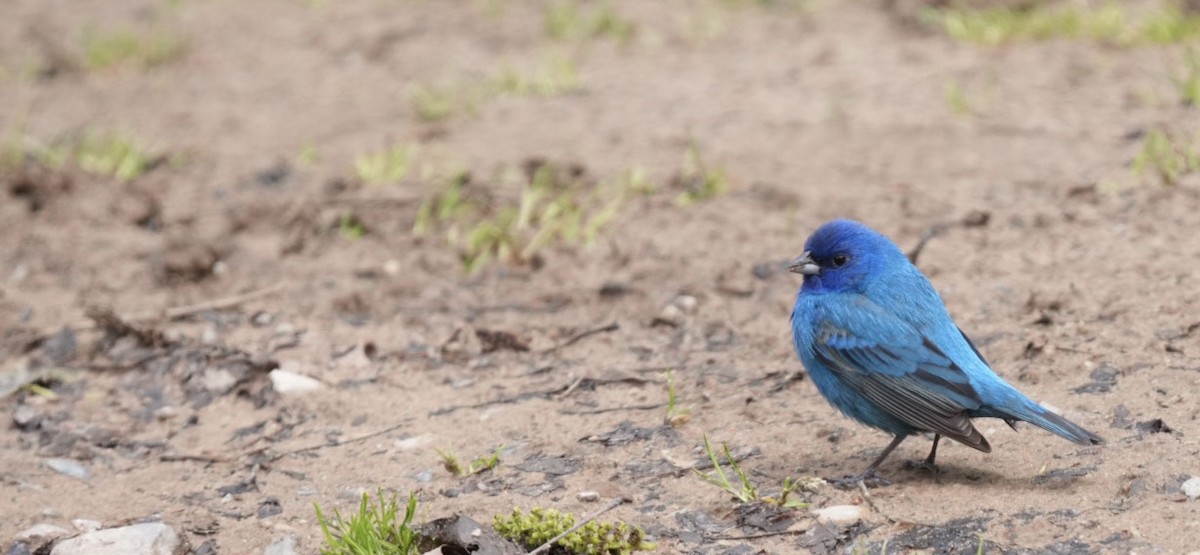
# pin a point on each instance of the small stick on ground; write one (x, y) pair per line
(614, 504)
(179, 311)
(355, 439)
(575, 338)
(929, 233)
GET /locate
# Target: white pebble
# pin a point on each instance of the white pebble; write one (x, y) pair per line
(42, 532)
(70, 468)
(86, 525)
(290, 383)
(589, 496)
(840, 515)
(686, 303)
(1191, 488)
(151, 538)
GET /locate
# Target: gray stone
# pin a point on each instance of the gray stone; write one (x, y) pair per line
(282, 546)
(68, 467)
(151, 538)
(42, 532)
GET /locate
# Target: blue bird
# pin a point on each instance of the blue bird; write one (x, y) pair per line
(880, 346)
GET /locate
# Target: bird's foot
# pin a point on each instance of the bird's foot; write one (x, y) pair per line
(925, 465)
(869, 479)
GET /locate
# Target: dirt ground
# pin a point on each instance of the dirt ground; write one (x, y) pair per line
(1075, 275)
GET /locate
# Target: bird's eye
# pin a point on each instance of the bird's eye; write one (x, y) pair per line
(839, 260)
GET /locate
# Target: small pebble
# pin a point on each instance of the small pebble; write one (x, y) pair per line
(282, 546)
(290, 383)
(424, 476)
(68, 467)
(150, 538)
(1191, 488)
(840, 515)
(42, 532)
(86, 525)
(589, 496)
(671, 315)
(24, 416)
(686, 303)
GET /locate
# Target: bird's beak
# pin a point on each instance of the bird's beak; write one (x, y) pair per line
(804, 264)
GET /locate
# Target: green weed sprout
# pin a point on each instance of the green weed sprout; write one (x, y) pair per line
(388, 166)
(1169, 159)
(481, 464)
(745, 492)
(542, 525)
(566, 20)
(1189, 83)
(141, 49)
(113, 154)
(676, 415)
(375, 529)
(1107, 23)
(351, 227)
(432, 103)
(699, 182)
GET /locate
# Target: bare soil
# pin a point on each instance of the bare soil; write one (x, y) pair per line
(1075, 276)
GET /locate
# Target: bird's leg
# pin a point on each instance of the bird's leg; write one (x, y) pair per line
(928, 463)
(868, 476)
(933, 452)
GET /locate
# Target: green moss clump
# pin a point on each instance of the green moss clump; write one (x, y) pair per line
(594, 538)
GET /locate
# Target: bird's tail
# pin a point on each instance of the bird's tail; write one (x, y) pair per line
(1039, 416)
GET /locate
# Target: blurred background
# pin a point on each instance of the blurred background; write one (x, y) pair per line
(234, 230)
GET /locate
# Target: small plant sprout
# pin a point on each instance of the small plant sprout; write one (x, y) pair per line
(387, 166)
(744, 492)
(789, 487)
(566, 20)
(1108, 23)
(553, 76)
(956, 99)
(699, 182)
(376, 528)
(676, 415)
(1189, 82)
(1167, 156)
(433, 103)
(351, 227)
(112, 154)
(125, 47)
(308, 156)
(481, 464)
(446, 205)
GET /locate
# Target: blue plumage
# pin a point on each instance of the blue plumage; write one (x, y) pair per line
(881, 347)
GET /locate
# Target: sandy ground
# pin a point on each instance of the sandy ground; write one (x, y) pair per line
(1075, 276)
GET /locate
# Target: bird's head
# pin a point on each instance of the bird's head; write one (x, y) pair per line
(844, 255)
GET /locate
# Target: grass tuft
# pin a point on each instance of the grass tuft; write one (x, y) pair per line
(1108, 23)
(140, 49)
(1168, 156)
(568, 20)
(698, 180)
(542, 525)
(745, 491)
(386, 166)
(1188, 82)
(481, 464)
(109, 154)
(676, 415)
(376, 528)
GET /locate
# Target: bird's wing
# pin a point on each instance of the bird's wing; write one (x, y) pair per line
(898, 369)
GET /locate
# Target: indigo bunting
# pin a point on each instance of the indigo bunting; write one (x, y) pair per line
(881, 347)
